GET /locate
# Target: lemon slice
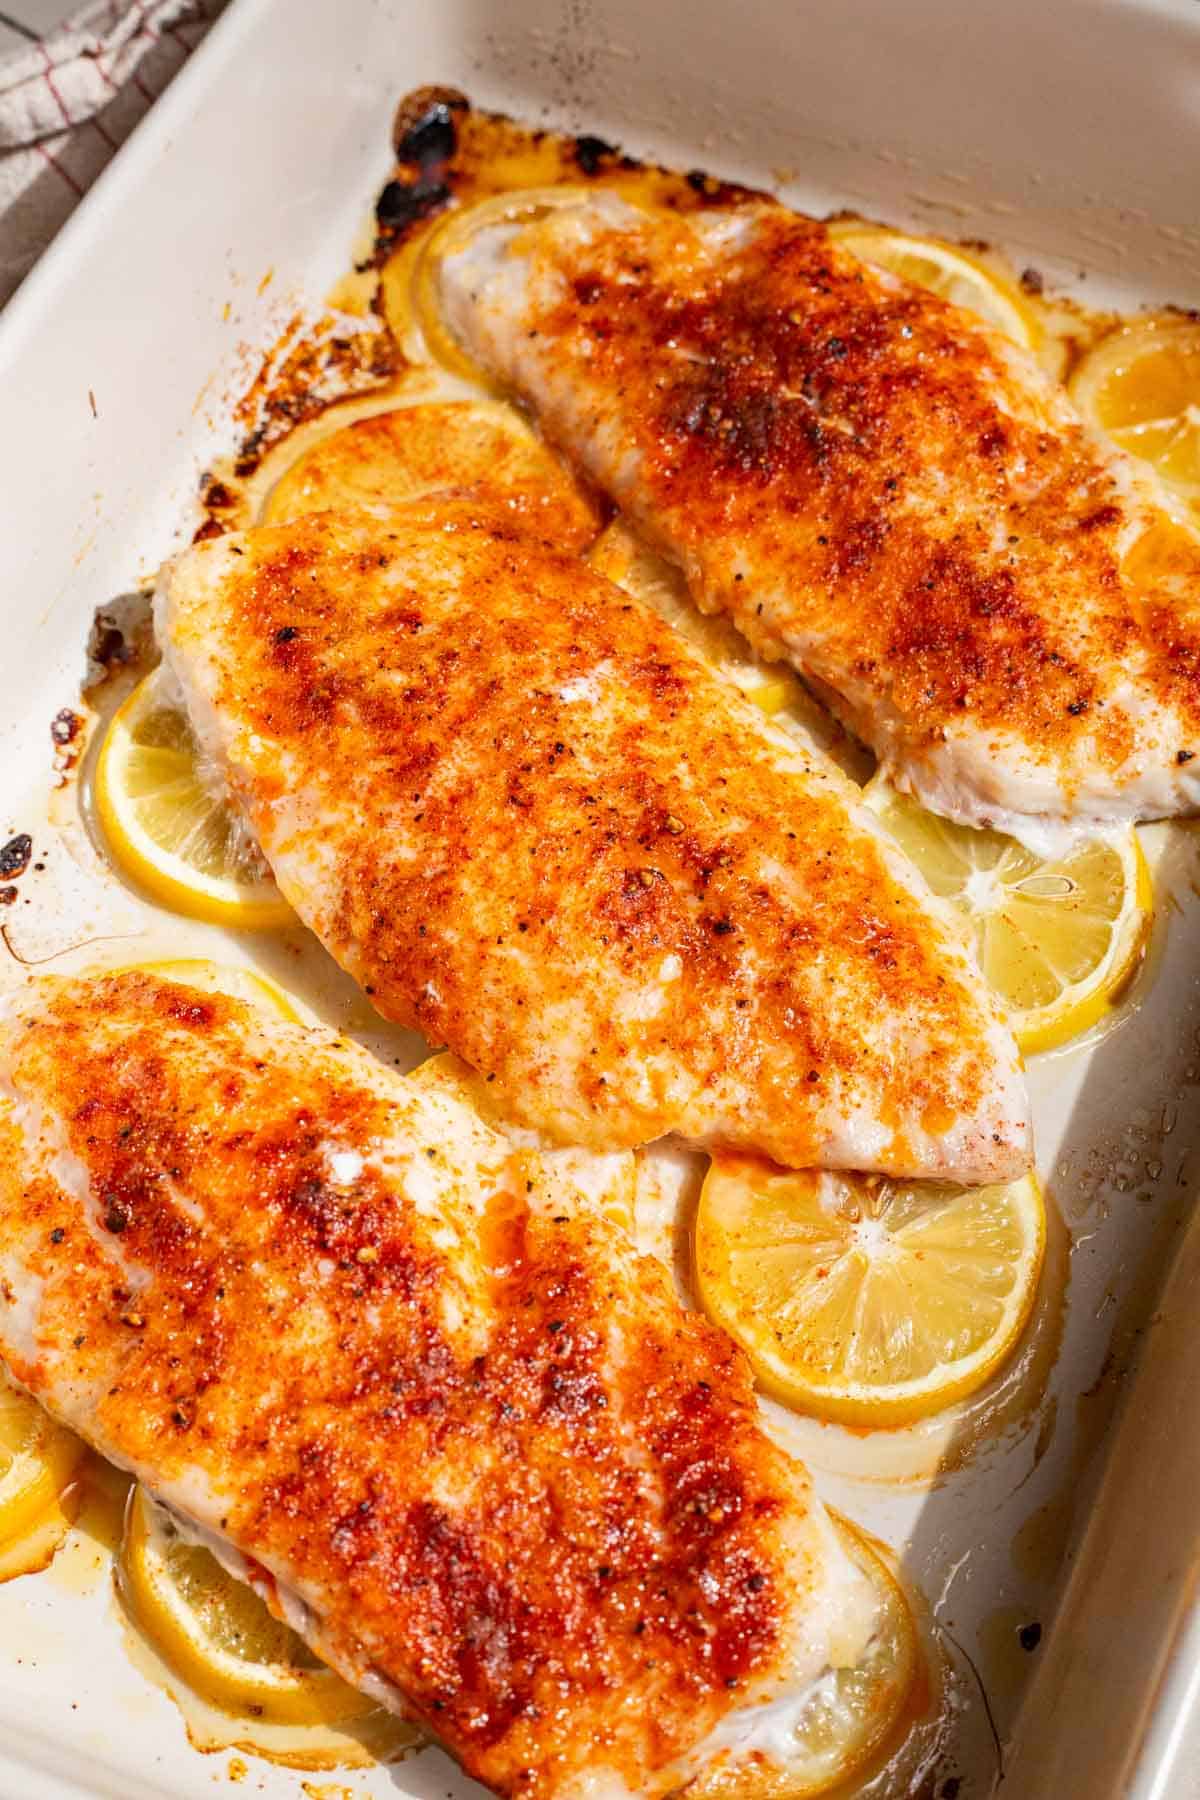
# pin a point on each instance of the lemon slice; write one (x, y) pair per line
(163, 826)
(853, 1715)
(950, 272)
(217, 1634)
(1059, 939)
(224, 978)
(430, 447)
(38, 1543)
(38, 1460)
(862, 1300)
(1141, 385)
(410, 287)
(625, 559)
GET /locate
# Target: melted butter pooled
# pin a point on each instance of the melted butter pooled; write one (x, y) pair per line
(85, 1560)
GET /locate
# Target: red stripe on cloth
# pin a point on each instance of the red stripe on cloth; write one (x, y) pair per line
(58, 168)
(105, 77)
(144, 24)
(107, 135)
(58, 99)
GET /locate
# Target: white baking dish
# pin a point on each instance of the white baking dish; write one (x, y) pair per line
(1066, 133)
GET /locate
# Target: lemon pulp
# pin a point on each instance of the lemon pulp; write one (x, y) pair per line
(217, 1634)
(1141, 385)
(863, 1300)
(1058, 938)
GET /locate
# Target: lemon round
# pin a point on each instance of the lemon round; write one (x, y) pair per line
(625, 559)
(411, 293)
(948, 271)
(852, 1718)
(164, 826)
(216, 1634)
(224, 978)
(1141, 385)
(429, 447)
(1058, 938)
(38, 1460)
(862, 1300)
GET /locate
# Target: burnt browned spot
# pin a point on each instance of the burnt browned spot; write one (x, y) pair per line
(15, 855)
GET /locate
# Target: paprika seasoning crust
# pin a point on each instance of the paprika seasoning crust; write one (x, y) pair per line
(461, 1432)
(533, 823)
(873, 483)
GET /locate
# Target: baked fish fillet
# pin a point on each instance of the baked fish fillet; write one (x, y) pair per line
(875, 485)
(532, 823)
(472, 1446)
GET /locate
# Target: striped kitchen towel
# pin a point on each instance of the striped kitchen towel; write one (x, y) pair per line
(67, 102)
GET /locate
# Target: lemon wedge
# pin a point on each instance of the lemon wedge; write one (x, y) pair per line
(1059, 939)
(217, 1634)
(862, 1300)
(952, 273)
(853, 1716)
(432, 446)
(38, 1461)
(1141, 385)
(165, 828)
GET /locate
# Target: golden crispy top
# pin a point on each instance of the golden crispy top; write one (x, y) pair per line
(335, 1318)
(531, 821)
(932, 527)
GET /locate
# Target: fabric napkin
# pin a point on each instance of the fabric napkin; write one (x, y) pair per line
(67, 103)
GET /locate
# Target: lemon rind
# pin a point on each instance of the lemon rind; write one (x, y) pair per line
(302, 1697)
(153, 868)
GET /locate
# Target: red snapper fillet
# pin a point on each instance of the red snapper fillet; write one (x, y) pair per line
(875, 485)
(478, 1454)
(532, 823)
